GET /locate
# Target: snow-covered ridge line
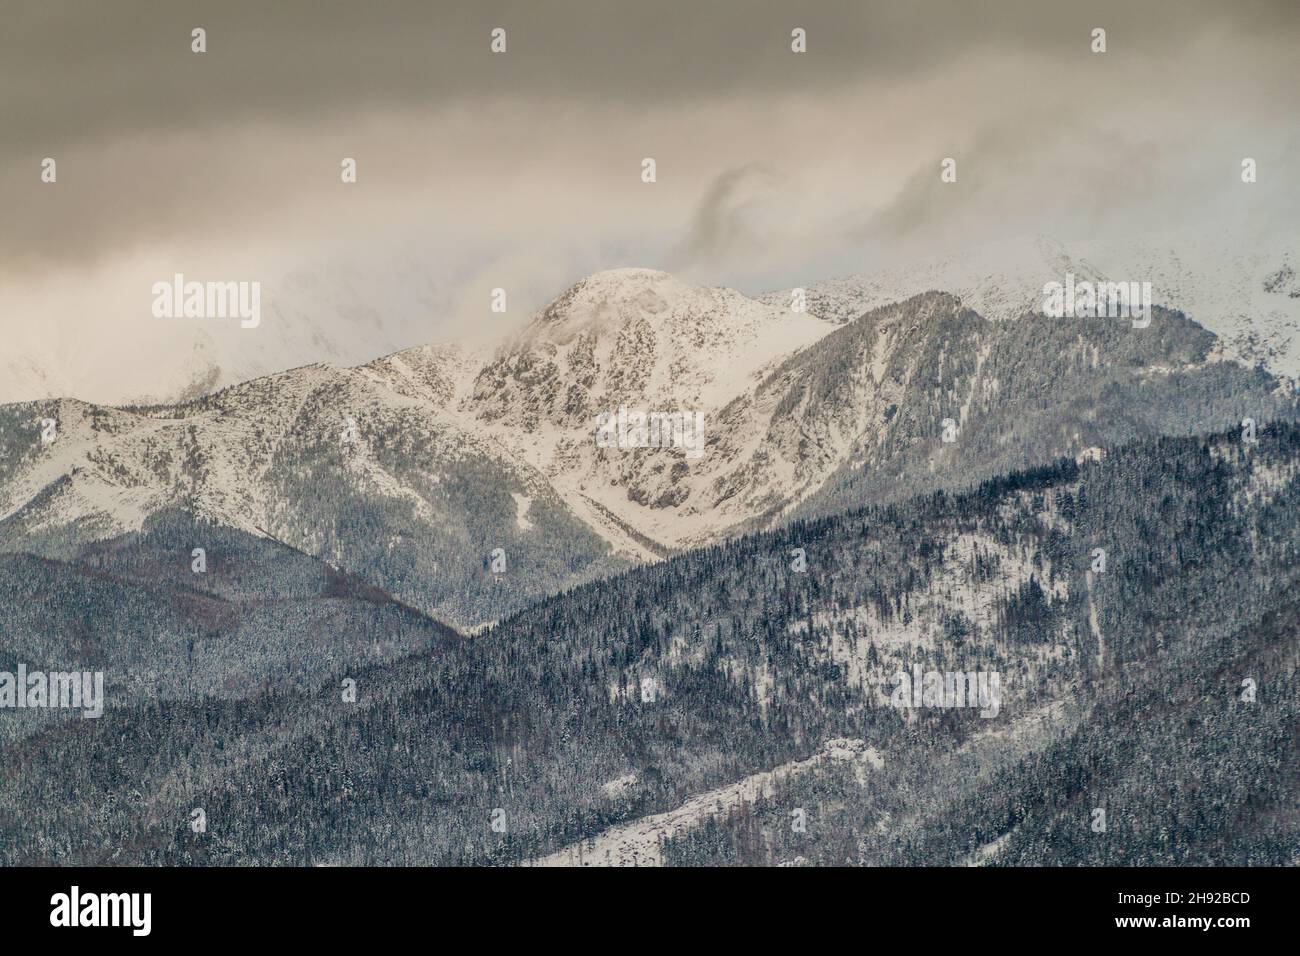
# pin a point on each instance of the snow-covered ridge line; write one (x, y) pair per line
(1243, 289)
(224, 453)
(789, 401)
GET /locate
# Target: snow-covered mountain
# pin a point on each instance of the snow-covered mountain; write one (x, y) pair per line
(649, 342)
(364, 467)
(1243, 289)
(342, 312)
(416, 467)
(632, 337)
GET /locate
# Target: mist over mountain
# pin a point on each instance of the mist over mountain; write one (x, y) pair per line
(1233, 282)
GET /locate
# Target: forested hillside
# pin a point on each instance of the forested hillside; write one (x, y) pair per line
(1122, 689)
(258, 615)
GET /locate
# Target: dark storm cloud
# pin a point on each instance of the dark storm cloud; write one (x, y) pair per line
(75, 70)
(523, 170)
(157, 145)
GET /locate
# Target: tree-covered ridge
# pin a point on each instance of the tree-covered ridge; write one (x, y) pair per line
(1111, 678)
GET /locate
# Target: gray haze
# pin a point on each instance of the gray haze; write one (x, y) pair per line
(522, 170)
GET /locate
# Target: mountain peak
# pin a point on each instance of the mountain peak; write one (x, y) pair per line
(626, 274)
(615, 294)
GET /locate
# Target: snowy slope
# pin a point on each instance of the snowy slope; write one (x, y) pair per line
(418, 465)
(638, 843)
(463, 450)
(790, 400)
(1244, 290)
(366, 468)
(644, 340)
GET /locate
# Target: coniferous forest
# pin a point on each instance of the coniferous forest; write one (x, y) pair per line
(1160, 690)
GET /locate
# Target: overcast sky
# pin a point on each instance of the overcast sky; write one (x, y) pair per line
(522, 169)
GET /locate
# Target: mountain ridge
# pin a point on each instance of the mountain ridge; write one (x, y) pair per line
(459, 453)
